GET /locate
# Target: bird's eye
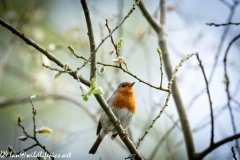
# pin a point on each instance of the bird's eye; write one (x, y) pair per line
(123, 85)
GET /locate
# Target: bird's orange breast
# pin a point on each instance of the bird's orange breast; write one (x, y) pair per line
(125, 99)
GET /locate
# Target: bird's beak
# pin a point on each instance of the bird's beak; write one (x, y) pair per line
(132, 84)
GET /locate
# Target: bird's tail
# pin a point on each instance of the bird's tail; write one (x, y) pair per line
(95, 145)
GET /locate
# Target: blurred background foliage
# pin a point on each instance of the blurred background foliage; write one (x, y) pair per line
(57, 23)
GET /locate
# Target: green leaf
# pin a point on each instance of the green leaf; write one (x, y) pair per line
(96, 91)
(119, 44)
(225, 81)
(19, 119)
(85, 98)
(94, 84)
(70, 47)
(159, 52)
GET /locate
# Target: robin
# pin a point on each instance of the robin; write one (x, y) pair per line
(123, 105)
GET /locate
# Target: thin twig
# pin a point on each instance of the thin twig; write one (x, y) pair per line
(227, 87)
(161, 71)
(34, 112)
(113, 43)
(80, 57)
(55, 69)
(234, 154)
(140, 80)
(223, 24)
(209, 99)
(167, 99)
(115, 46)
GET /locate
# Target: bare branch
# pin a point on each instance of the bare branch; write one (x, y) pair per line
(227, 87)
(201, 155)
(161, 71)
(234, 154)
(42, 50)
(140, 80)
(91, 39)
(115, 46)
(223, 24)
(210, 101)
